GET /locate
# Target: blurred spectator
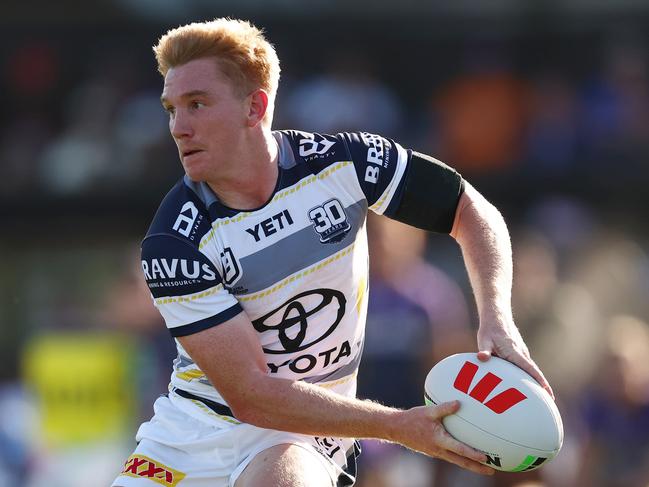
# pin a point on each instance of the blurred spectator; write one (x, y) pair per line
(129, 310)
(90, 384)
(21, 145)
(113, 126)
(353, 97)
(18, 424)
(140, 130)
(551, 305)
(615, 111)
(416, 316)
(568, 223)
(551, 141)
(33, 70)
(481, 120)
(83, 153)
(616, 410)
(535, 278)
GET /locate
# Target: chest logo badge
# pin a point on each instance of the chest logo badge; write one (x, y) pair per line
(330, 221)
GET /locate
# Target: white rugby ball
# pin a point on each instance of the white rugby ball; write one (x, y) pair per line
(504, 412)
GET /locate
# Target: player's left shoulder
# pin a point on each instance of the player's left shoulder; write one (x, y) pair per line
(372, 149)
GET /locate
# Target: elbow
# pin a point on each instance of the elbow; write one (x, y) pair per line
(247, 405)
(239, 411)
(251, 413)
(247, 414)
(241, 408)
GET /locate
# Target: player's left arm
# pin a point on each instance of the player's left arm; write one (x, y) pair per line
(482, 234)
(421, 191)
(434, 197)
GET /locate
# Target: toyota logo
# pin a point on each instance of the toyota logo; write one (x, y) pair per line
(293, 313)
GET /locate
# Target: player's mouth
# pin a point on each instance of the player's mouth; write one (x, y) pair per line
(191, 152)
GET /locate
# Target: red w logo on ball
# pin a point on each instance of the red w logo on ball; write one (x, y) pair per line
(499, 403)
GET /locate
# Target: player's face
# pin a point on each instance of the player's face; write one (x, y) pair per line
(206, 118)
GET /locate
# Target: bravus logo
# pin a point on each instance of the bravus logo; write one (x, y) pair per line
(499, 403)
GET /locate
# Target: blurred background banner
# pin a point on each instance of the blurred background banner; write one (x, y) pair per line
(83, 384)
(543, 106)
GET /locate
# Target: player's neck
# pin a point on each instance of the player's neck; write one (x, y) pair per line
(256, 176)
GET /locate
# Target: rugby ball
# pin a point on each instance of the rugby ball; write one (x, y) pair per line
(504, 412)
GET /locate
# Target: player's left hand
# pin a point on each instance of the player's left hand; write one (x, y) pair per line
(506, 342)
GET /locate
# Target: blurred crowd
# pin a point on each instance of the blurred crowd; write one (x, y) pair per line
(559, 143)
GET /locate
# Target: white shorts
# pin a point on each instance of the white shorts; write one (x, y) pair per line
(188, 445)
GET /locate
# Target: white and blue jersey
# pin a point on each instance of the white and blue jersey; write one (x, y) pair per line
(298, 266)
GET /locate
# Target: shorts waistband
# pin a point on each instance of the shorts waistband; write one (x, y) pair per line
(218, 408)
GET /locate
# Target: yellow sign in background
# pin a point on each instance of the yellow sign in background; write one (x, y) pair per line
(84, 385)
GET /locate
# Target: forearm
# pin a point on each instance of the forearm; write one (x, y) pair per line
(230, 356)
(482, 234)
(309, 409)
(232, 359)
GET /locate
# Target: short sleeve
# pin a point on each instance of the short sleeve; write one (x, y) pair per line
(185, 285)
(380, 166)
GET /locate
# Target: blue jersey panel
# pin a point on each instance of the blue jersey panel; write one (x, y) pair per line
(172, 267)
(375, 160)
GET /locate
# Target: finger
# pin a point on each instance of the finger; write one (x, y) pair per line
(449, 443)
(546, 385)
(531, 368)
(444, 409)
(523, 361)
(467, 464)
(550, 391)
(540, 378)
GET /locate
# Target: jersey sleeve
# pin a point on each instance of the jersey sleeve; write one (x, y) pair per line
(185, 285)
(380, 165)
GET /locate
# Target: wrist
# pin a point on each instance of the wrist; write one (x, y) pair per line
(394, 425)
(496, 319)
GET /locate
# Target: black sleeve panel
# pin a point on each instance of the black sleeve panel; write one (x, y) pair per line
(430, 195)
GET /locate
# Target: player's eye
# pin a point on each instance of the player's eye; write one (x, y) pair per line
(196, 104)
(169, 109)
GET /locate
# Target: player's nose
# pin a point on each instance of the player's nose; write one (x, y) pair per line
(179, 126)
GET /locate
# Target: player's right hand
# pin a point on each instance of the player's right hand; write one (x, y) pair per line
(421, 429)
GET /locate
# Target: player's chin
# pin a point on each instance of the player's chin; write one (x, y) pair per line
(195, 172)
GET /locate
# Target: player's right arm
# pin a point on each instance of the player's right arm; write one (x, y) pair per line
(231, 357)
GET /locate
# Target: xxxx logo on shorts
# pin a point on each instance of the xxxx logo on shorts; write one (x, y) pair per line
(143, 466)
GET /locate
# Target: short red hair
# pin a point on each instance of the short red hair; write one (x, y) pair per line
(240, 49)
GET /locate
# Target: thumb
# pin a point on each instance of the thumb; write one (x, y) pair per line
(485, 347)
(484, 355)
(445, 408)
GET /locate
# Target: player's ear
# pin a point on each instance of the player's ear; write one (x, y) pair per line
(257, 108)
